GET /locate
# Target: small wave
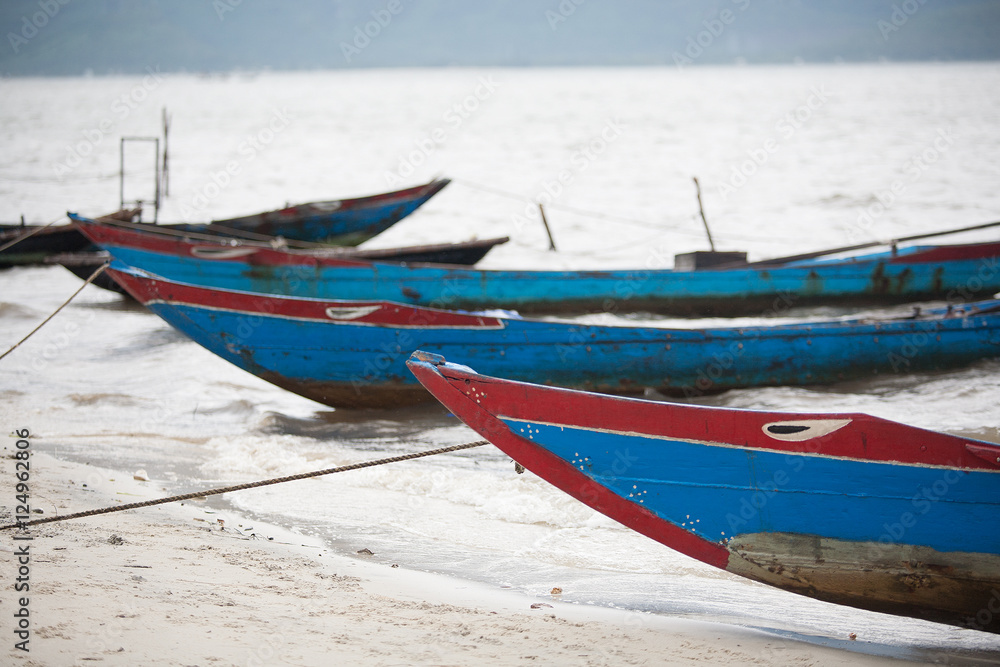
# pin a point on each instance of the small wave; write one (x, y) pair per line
(356, 425)
(16, 310)
(237, 407)
(111, 399)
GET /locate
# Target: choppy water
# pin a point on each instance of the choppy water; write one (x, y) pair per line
(790, 159)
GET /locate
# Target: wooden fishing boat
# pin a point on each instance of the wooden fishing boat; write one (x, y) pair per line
(465, 253)
(353, 353)
(342, 222)
(45, 241)
(846, 508)
(953, 272)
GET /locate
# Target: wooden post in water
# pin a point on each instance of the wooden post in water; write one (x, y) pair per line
(166, 135)
(701, 209)
(552, 242)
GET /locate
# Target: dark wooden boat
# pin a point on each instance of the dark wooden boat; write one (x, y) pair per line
(846, 508)
(46, 241)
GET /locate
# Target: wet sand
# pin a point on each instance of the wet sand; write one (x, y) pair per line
(186, 584)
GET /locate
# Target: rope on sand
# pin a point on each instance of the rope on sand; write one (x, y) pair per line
(92, 278)
(248, 485)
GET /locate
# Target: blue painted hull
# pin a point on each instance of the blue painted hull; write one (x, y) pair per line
(965, 274)
(346, 222)
(780, 492)
(845, 508)
(341, 361)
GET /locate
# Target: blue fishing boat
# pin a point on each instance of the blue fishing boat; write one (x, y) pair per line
(846, 508)
(353, 353)
(343, 222)
(340, 222)
(952, 272)
(465, 253)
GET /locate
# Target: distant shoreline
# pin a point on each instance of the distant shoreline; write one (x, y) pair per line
(253, 73)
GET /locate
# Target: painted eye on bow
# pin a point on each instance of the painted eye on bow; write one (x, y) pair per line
(221, 253)
(803, 429)
(350, 312)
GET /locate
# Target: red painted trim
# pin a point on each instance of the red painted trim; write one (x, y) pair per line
(865, 438)
(558, 472)
(113, 235)
(149, 240)
(987, 453)
(951, 253)
(384, 313)
(403, 196)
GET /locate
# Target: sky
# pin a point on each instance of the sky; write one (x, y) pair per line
(99, 37)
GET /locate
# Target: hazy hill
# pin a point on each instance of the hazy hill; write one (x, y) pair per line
(48, 37)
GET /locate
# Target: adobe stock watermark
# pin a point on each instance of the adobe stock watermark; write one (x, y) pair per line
(614, 467)
(713, 30)
(120, 109)
(748, 517)
(730, 361)
(985, 616)
(248, 149)
(657, 259)
(57, 345)
(914, 168)
(363, 35)
(452, 120)
(785, 128)
(973, 288)
(580, 161)
(901, 13)
(387, 355)
(30, 26)
(565, 9)
(921, 503)
(223, 7)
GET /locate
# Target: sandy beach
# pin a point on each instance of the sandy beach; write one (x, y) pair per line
(273, 576)
(186, 584)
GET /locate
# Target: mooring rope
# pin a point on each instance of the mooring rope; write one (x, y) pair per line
(248, 485)
(93, 276)
(579, 211)
(28, 234)
(679, 227)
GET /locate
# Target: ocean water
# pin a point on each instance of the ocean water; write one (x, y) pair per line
(790, 159)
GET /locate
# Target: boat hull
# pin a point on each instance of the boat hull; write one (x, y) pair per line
(82, 265)
(954, 273)
(850, 509)
(353, 353)
(34, 249)
(345, 222)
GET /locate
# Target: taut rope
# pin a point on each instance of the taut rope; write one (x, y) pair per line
(92, 278)
(248, 485)
(27, 235)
